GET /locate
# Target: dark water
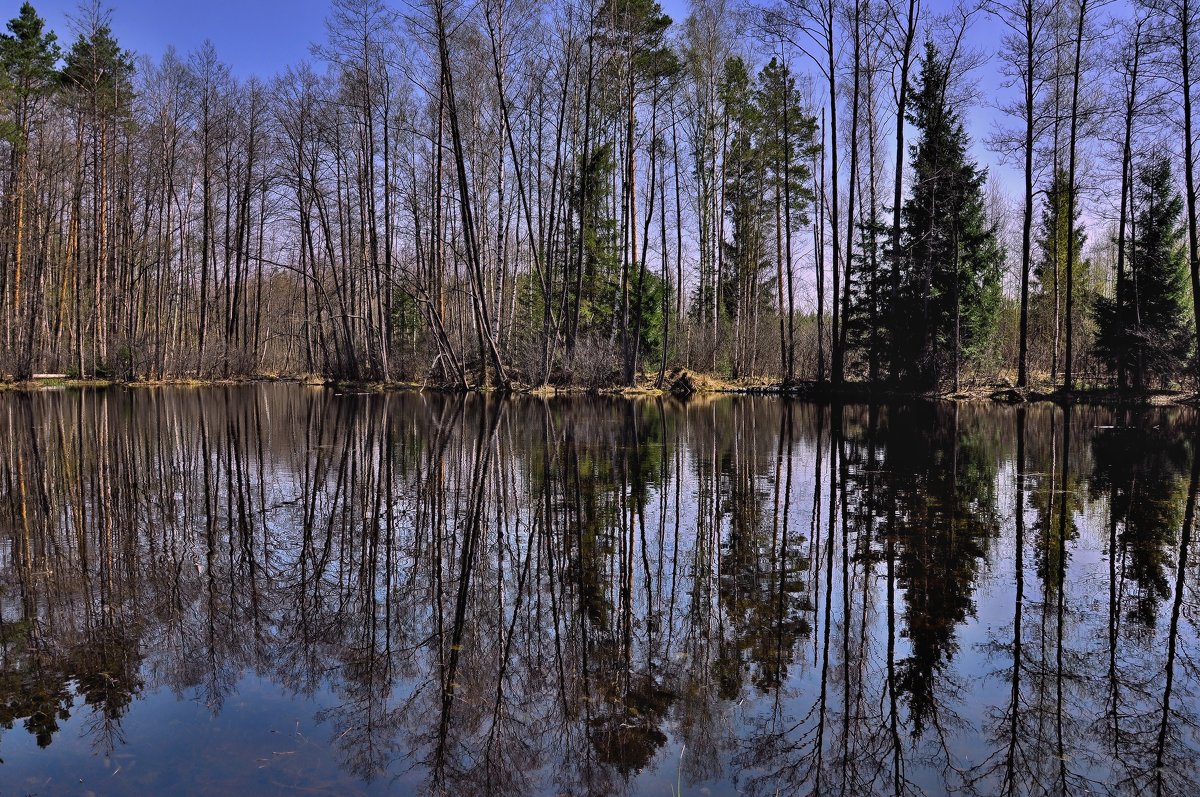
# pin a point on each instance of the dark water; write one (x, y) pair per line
(280, 590)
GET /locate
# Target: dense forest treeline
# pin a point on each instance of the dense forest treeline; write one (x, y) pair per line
(589, 192)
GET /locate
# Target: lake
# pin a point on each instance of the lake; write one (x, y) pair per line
(278, 589)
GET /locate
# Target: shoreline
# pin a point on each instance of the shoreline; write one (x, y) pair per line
(683, 385)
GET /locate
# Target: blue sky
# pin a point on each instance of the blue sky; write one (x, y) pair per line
(255, 37)
(262, 37)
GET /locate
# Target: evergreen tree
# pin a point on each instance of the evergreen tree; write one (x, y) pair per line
(98, 75)
(591, 204)
(600, 283)
(744, 189)
(866, 333)
(950, 263)
(788, 143)
(100, 71)
(1150, 330)
(1050, 268)
(28, 57)
(746, 256)
(633, 32)
(788, 137)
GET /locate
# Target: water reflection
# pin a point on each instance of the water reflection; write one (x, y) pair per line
(459, 594)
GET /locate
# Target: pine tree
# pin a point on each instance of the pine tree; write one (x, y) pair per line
(950, 259)
(1150, 328)
(100, 71)
(788, 144)
(98, 77)
(745, 205)
(28, 56)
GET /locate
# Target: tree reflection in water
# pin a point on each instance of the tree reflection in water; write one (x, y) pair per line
(593, 596)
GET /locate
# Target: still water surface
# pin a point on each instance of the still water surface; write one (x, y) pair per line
(282, 590)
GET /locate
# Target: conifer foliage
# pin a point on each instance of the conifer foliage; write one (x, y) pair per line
(950, 260)
(1146, 332)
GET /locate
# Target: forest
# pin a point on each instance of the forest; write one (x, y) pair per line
(590, 193)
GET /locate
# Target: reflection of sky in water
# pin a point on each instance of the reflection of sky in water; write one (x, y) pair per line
(695, 547)
(261, 741)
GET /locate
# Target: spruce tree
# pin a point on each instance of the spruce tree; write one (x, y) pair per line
(600, 281)
(1150, 329)
(1050, 270)
(950, 259)
(591, 205)
(866, 333)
